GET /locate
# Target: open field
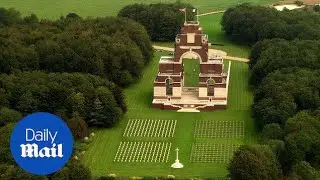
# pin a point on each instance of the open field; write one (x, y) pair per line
(54, 9)
(100, 157)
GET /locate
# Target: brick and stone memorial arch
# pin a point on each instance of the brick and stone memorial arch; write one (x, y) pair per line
(212, 91)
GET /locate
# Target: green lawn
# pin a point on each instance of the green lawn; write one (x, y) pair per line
(53, 9)
(101, 153)
(191, 72)
(211, 25)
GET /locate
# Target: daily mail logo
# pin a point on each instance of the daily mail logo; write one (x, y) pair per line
(41, 143)
(32, 150)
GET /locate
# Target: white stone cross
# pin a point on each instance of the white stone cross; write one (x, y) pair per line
(177, 150)
(177, 164)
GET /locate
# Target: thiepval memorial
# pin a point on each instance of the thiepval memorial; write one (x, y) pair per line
(41, 143)
(212, 91)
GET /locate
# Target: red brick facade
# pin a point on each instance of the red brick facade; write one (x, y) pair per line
(191, 40)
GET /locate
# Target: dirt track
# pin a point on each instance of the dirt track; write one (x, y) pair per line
(212, 52)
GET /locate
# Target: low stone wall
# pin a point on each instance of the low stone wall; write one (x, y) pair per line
(196, 107)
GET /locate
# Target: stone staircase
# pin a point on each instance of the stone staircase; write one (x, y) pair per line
(188, 110)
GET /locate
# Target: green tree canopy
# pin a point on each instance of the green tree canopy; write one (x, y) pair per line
(272, 131)
(162, 21)
(63, 93)
(115, 48)
(249, 23)
(270, 55)
(254, 162)
(303, 171)
(284, 93)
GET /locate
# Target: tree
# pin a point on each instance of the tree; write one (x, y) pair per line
(9, 17)
(78, 104)
(32, 19)
(274, 110)
(78, 171)
(16, 173)
(62, 174)
(9, 115)
(97, 116)
(258, 48)
(162, 21)
(248, 23)
(304, 171)
(65, 94)
(105, 112)
(255, 162)
(73, 16)
(113, 48)
(316, 8)
(5, 153)
(278, 148)
(271, 55)
(284, 93)
(302, 138)
(272, 131)
(78, 127)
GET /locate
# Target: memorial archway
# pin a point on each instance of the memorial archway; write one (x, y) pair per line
(210, 87)
(200, 85)
(169, 87)
(191, 69)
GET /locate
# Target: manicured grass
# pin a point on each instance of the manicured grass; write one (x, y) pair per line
(191, 72)
(211, 25)
(53, 9)
(100, 155)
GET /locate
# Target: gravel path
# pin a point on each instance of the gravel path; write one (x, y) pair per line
(213, 12)
(212, 52)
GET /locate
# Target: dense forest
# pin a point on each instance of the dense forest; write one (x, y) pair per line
(285, 74)
(248, 23)
(114, 48)
(72, 67)
(162, 21)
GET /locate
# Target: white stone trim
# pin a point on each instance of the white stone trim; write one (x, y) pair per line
(190, 47)
(228, 80)
(195, 53)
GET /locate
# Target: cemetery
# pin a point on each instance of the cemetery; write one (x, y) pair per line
(159, 151)
(150, 128)
(219, 129)
(143, 152)
(212, 153)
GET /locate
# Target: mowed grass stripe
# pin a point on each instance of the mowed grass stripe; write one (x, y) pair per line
(240, 96)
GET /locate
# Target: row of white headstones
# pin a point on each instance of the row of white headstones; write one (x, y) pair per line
(159, 151)
(219, 129)
(150, 128)
(213, 153)
(143, 152)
